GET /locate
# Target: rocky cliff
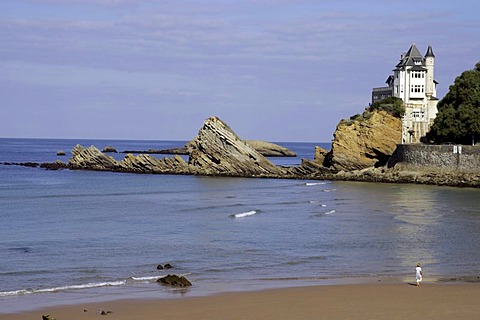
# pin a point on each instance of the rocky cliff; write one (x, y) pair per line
(365, 141)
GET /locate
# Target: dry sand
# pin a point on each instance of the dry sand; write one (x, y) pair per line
(362, 301)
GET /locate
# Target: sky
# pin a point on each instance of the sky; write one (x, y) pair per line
(273, 70)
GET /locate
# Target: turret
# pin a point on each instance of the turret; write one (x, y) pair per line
(429, 64)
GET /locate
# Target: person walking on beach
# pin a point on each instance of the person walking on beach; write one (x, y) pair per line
(418, 274)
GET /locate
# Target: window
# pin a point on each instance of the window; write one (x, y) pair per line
(418, 74)
(417, 88)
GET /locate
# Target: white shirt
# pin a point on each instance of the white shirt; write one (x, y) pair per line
(418, 273)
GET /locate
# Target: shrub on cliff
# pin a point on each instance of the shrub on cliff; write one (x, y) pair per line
(458, 117)
(392, 105)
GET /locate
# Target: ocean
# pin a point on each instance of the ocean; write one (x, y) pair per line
(76, 236)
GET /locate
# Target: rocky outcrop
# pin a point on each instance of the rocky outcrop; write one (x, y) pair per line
(367, 141)
(320, 155)
(91, 159)
(144, 163)
(217, 150)
(109, 149)
(269, 149)
(266, 149)
(182, 151)
(174, 280)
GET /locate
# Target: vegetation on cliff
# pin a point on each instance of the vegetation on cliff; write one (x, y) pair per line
(391, 105)
(458, 118)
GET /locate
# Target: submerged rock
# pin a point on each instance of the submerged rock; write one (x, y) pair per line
(269, 149)
(109, 149)
(174, 280)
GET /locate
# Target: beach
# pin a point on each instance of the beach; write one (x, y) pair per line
(359, 301)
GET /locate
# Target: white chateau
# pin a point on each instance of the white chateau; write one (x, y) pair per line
(413, 82)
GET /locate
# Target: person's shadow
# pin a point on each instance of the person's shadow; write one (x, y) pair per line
(412, 283)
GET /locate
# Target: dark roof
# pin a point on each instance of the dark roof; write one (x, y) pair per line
(418, 68)
(409, 58)
(429, 52)
(389, 80)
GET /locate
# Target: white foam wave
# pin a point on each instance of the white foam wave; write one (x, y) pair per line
(63, 288)
(317, 202)
(330, 212)
(314, 183)
(244, 214)
(329, 190)
(145, 279)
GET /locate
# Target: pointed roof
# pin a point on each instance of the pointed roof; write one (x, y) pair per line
(409, 58)
(429, 52)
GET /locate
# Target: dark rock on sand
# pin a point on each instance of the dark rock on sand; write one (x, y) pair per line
(174, 280)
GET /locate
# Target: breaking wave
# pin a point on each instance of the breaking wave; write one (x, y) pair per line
(131, 280)
(244, 214)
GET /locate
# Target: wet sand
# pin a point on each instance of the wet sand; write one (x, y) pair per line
(360, 301)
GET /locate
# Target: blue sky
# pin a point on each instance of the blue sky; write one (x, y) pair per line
(274, 70)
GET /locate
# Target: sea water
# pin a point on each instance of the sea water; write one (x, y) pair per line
(73, 236)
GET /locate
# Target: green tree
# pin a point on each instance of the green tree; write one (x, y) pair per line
(392, 105)
(458, 117)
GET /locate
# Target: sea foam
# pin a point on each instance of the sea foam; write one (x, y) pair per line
(244, 214)
(63, 288)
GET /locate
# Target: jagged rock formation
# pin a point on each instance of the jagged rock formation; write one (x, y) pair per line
(266, 149)
(91, 159)
(365, 142)
(217, 150)
(320, 155)
(144, 163)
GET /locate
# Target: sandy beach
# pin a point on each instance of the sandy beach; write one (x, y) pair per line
(362, 301)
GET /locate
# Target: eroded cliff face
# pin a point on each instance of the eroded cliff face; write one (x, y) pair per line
(367, 141)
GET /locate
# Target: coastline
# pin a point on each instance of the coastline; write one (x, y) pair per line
(342, 301)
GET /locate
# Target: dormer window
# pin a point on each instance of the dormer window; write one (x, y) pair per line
(417, 62)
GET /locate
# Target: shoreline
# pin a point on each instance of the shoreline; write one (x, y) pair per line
(400, 300)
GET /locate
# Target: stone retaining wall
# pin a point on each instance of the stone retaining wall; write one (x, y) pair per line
(441, 156)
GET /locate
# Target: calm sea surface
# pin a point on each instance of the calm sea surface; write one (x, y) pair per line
(73, 236)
